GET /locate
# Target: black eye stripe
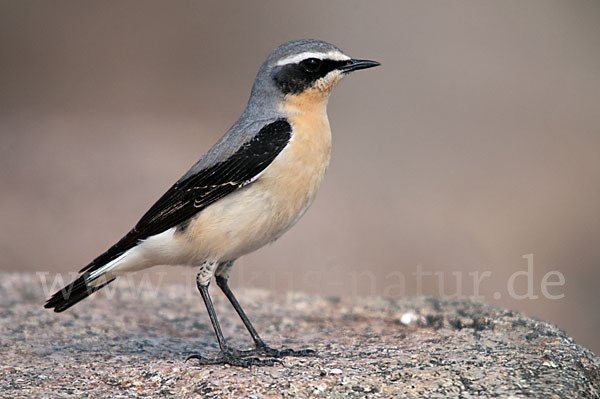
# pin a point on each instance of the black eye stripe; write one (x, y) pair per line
(294, 78)
(311, 65)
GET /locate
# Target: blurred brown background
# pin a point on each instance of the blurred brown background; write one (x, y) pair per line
(474, 144)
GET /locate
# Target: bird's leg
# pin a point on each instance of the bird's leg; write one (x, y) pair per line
(260, 347)
(226, 356)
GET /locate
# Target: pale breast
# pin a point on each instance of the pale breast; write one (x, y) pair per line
(295, 176)
(262, 211)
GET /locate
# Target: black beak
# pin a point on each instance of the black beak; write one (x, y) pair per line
(355, 65)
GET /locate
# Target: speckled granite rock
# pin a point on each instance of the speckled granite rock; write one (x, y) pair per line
(134, 345)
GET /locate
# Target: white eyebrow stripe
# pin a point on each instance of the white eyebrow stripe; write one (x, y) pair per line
(331, 55)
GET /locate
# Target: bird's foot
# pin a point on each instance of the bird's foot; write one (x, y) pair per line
(264, 350)
(232, 358)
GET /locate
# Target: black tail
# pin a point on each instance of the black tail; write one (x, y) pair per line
(73, 293)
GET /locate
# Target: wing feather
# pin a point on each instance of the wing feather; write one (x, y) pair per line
(195, 191)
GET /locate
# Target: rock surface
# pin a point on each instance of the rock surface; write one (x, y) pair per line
(134, 345)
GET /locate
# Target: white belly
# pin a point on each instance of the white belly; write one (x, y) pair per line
(256, 214)
(262, 211)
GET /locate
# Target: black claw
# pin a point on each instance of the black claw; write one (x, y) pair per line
(300, 353)
(232, 359)
(264, 350)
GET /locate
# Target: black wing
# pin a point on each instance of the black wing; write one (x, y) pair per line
(195, 192)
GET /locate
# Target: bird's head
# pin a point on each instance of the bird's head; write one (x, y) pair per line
(306, 69)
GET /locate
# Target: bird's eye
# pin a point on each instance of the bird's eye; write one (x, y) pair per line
(311, 65)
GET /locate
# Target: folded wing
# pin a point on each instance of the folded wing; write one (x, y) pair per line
(195, 191)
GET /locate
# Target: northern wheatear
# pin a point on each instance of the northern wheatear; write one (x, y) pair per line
(245, 192)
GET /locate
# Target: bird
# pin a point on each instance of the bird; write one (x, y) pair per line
(252, 186)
